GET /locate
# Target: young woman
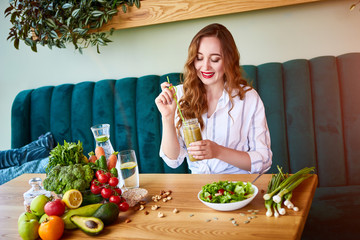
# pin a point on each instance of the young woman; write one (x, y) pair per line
(231, 114)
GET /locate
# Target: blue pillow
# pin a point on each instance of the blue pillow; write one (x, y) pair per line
(37, 149)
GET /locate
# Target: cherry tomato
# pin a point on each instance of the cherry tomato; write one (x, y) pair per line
(124, 206)
(95, 189)
(221, 191)
(106, 192)
(103, 178)
(123, 199)
(108, 174)
(98, 172)
(115, 199)
(231, 192)
(113, 181)
(209, 197)
(118, 190)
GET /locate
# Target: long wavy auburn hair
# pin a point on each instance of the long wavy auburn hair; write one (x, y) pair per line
(193, 103)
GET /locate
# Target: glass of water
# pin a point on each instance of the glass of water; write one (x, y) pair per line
(129, 169)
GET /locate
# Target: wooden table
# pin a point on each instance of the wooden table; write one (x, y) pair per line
(192, 220)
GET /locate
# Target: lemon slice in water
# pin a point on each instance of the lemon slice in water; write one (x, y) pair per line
(72, 198)
(128, 165)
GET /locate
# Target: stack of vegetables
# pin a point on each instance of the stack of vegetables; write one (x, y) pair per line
(280, 190)
(90, 197)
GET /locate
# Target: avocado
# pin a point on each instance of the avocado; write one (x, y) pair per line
(89, 225)
(108, 213)
(85, 211)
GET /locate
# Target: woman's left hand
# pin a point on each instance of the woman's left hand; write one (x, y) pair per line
(204, 149)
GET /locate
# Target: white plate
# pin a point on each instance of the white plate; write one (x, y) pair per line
(230, 206)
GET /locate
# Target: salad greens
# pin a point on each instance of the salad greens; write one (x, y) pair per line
(226, 192)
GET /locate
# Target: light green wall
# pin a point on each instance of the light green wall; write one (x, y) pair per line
(272, 35)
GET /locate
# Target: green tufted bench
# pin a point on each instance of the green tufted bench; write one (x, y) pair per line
(312, 108)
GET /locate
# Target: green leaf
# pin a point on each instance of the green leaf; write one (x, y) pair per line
(97, 13)
(112, 12)
(124, 8)
(29, 42)
(137, 3)
(67, 6)
(16, 43)
(75, 13)
(8, 9)
(34, 48)
(53, 34)
(50, 23)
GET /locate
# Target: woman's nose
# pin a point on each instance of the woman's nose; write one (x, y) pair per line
(207, 64)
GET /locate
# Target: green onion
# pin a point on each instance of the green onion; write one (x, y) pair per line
(288, 181)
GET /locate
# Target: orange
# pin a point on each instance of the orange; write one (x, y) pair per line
(52, 228)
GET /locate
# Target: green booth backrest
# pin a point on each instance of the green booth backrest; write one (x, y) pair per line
(312, 109)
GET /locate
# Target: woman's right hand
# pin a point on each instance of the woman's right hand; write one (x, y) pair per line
(165, 102)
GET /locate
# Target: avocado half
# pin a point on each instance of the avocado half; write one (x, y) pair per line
(89, 225)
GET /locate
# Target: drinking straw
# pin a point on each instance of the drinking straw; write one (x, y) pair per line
(177, 103)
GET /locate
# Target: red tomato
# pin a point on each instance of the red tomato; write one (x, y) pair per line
(103, 178)
(106, 192)
(54, 208)
(124, 206)
(98, 172)
(118, 190)
(108, 174)
(231, 192)
(209, 197)
(113, 181)
(115, 199)
(95, 189)
(221, 191)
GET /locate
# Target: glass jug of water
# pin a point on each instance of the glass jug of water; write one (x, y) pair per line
(101, 134)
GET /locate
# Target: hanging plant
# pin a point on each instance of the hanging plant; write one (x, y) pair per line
(57, 22)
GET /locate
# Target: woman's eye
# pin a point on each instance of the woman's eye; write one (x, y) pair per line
(199, 58)
(215, 60)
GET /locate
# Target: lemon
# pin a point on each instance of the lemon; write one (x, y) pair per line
(72, 198)
(128, 165)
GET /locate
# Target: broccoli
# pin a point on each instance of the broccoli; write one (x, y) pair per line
(63, 178)
(78, 171)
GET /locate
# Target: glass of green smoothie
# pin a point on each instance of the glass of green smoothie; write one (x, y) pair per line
(192, 133)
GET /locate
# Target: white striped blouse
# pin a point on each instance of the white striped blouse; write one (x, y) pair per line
(245, 129)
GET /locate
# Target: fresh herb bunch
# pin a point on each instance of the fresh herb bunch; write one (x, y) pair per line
(57, 22)
(67, 154)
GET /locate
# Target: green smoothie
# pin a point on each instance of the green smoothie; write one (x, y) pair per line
(192, 133)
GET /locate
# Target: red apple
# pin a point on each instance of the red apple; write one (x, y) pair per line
(56, 207)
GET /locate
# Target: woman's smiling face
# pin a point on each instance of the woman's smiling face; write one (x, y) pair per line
(209, 62)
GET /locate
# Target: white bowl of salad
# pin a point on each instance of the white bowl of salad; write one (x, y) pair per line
(227, 195)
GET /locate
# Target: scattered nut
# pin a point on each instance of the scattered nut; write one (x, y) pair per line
(160, 214)
(155, 207)
(127, 220)
(175, 211)
(169, 198)
(142, 207)
(164, 199)
(142, 202)
(146, 213)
